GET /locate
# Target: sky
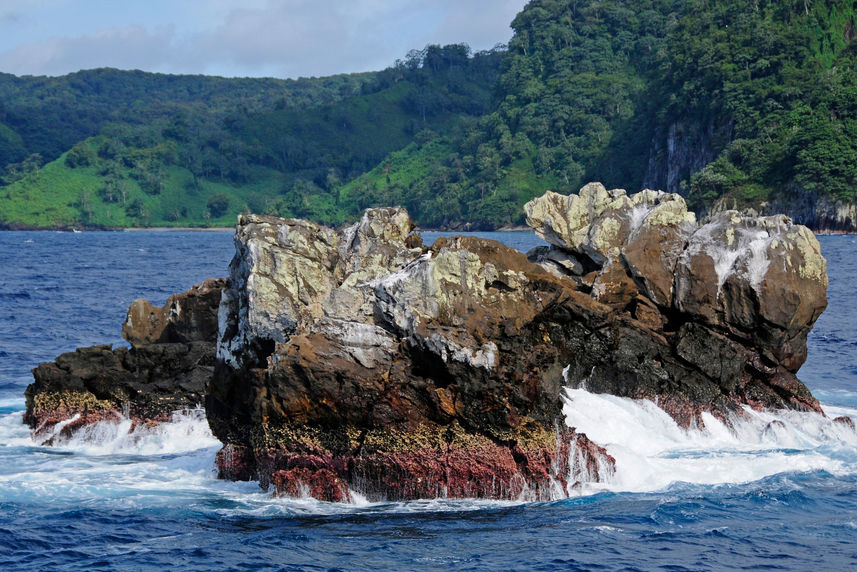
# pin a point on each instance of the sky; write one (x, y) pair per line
(239, 38)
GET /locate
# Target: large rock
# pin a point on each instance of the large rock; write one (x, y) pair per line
(287, 274)
(187, 317)
(762, 279)
(749, 288)
(361, 361)
(438, 389)
(410, 371)
(167, 369)
(597, 223)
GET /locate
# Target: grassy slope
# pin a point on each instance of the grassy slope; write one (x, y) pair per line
(289, 161)
(57, 196)
(345, 138)
(423, 177)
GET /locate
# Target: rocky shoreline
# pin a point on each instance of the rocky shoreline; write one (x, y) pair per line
(167, 368)
(362, 361)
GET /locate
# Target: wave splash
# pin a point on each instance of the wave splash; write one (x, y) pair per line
(118, 461)
(186, 431)
(652, 452)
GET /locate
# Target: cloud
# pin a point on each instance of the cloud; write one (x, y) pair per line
(131, 47)
(304, 37)
(10, 17)
(286, 38)
(470, 19)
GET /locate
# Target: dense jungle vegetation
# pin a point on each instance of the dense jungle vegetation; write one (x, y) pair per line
(742, 101)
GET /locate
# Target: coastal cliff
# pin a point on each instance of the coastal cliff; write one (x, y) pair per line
(363, 362)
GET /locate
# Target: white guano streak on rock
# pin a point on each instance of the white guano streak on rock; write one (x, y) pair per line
(484, 356)
(758, 262)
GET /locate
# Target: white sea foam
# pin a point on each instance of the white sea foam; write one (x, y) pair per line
(187, 431)
(13, 432)
(167, 464)
(173, 463)
(652, 451)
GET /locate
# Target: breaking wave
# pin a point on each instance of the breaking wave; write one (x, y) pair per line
(653, 452)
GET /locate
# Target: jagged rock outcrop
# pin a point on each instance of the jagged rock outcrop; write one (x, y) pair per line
(167, 368)
(423, 374)
(363, 361)
(726, 306)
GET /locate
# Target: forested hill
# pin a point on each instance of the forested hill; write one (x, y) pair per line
(110, 148)
(736, 103)
(48, 115)
(733, 103)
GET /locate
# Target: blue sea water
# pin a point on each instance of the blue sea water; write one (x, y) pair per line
(760, 496)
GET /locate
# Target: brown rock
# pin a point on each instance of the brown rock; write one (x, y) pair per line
(147, 382)
(761, 278)
(187, 317)
(613, 285)
(846, 422)
(651, 256)
(438, 371)
(360, 361)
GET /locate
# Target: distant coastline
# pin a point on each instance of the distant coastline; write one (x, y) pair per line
(823, 232)
(17, 227)
(116, 228)
(177, 229)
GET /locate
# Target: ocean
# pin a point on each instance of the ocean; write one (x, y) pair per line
(776, 496)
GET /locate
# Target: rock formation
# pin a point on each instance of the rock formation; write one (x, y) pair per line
(717, 315)
(364, 361)
(166, 369)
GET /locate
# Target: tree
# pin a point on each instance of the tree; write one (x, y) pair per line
(218, 204)
(81, 155)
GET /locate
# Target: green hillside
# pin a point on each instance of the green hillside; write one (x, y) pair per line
(733, 103)
(47, 115)
(188, 156)
(738, 101)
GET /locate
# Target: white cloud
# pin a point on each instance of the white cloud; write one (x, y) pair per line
(286, 38)
(131, 47)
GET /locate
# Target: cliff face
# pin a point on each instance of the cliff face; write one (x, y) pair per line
(681, 149)
(364, 361)
(684, 148)
(821, 214)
